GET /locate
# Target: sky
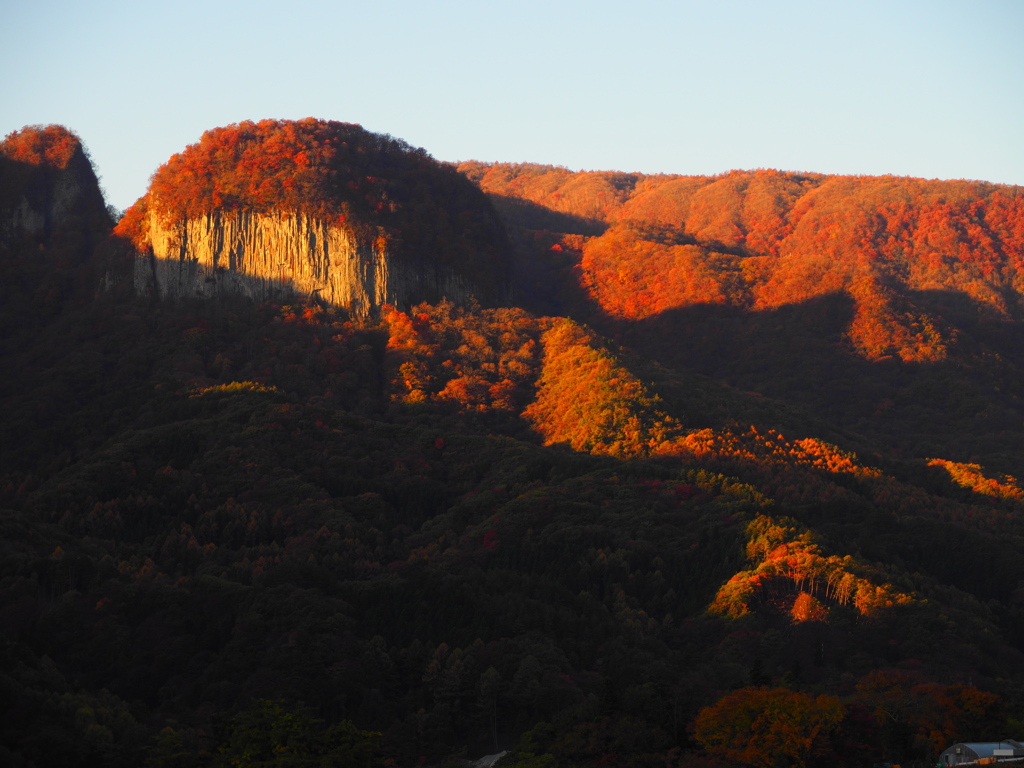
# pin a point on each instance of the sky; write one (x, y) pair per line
(927, 88)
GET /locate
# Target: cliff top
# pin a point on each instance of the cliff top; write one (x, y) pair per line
(34, 157)
(321, 167)
(47, 183)
(52, 145)
(372, 184)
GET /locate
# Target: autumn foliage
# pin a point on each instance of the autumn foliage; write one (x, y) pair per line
(52, 214)
(587, 399)
(272, 164)
(635, 271)
(480, 362)
(52, 145)
(763, 727)
(33, 159)
(237, 531)
(974, 477)
(764, 239)
(791, 573)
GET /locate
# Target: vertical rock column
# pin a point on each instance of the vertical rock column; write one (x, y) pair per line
(265, 255)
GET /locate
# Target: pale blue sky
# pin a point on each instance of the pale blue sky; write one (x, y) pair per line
(931, 88)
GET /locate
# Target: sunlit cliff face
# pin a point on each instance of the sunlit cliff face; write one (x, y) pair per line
(262, 255)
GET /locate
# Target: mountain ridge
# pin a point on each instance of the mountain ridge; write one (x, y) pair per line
(590, 536)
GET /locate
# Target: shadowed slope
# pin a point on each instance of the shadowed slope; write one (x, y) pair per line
(52, 215)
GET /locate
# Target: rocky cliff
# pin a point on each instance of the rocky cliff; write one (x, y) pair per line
(324, 209)
(36, 218)
(47, 187)
(268, 255)
(52, 215)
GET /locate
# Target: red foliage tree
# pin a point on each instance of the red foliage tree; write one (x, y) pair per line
(41, 145)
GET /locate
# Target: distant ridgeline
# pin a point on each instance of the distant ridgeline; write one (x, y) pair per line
(316, 207)
(759, 240)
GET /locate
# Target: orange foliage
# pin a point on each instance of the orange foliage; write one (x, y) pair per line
(767, 239)
(134, 225)
(771, 448)
(484, 360)
(378, 187)
(51, 145)
(807, 608)
(761, 727)
(269, 165)
(587, 399)
(466, 390)
(633, 272)
(975, 478)
(885, 325)
(591, 195)
(790, 571)
(877, 239)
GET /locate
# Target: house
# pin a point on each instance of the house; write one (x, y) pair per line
(989, 751)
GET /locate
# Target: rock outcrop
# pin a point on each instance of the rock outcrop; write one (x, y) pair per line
(324, 209)
(269, 255)
(52, 216)
(47, 187)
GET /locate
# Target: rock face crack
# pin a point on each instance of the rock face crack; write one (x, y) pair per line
(263, 256)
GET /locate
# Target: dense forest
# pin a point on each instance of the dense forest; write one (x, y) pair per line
(733, 481)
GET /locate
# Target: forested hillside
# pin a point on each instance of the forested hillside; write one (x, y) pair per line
(888, 306)
(705, 496)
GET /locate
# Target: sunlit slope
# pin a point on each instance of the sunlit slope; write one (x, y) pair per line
(884, 306)
(765, 239)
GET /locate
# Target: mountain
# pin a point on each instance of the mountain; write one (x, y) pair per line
(887, 306)
(657, 513)
(52, 216)
(763, 240)
(314, 207)
(48, 186)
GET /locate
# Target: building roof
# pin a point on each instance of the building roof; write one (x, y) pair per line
(985, 748)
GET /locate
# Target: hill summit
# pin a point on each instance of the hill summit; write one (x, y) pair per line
(318, 207)
(52, 215)
(47, 184)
